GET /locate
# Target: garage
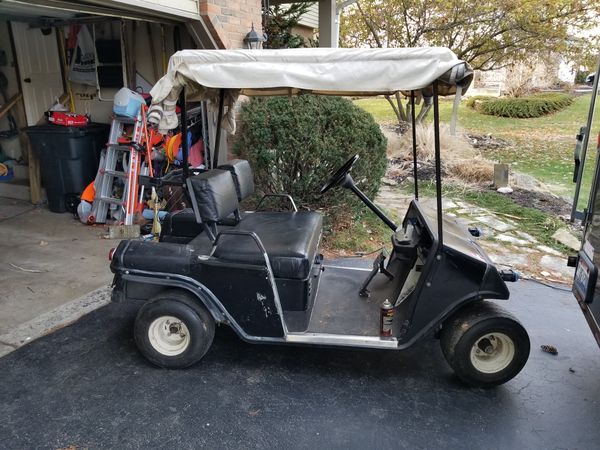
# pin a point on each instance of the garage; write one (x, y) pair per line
(48, 258)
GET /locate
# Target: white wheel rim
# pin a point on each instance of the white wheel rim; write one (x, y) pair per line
(169, 336)
(492, 353)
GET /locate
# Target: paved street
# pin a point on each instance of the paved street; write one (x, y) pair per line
(86, 386)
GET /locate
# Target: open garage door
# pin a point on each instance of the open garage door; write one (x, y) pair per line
(39, 69)
(151, 11)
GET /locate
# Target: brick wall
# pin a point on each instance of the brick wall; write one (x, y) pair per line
(230, 20)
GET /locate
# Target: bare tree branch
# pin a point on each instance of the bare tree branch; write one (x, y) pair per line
(369, 24)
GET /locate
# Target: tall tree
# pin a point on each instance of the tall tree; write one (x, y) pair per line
(278, 23)
(488, 34)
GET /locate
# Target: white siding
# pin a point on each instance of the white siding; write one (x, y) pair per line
(311, 18)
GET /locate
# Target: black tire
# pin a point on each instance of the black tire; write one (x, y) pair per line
(467, 335)
(192, 333)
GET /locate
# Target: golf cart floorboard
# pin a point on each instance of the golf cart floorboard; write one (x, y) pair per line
(339, 309)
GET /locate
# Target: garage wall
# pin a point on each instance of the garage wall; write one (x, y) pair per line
(10, 146)
(230, 20)
(86, 98)
(9, 69)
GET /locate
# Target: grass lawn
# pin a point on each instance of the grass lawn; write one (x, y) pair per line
(542, 147)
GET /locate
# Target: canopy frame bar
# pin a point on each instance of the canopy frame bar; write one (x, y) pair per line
(414, 143)
(184, 140)
(184, 131)
(438, 165)
(215, 158)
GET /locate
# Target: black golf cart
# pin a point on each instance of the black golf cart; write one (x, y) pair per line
(261, 272)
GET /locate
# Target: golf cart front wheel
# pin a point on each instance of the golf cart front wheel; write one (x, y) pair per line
(173, 330)
(484, 345)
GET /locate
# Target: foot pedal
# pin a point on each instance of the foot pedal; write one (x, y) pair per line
(378, 266)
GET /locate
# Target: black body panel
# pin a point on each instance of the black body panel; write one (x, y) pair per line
(295, 294)
(153, 257)
(248, 296)
(452, 276)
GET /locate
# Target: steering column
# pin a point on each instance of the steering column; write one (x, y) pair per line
(343, 178)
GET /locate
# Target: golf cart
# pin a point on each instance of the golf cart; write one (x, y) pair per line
(261, 272)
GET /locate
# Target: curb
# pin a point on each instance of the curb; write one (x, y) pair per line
(53, 320)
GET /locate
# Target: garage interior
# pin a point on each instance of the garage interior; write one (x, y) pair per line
(49, 259)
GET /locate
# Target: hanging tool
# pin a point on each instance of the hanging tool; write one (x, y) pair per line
(155, 68)
(154, 202)
(63, 59)
(163, 43)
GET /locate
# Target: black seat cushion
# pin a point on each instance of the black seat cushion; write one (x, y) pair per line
(290, 238)
(179, 226)
(242, 177)
(213, 195)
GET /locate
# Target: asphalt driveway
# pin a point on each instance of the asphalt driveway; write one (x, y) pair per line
(86, 386)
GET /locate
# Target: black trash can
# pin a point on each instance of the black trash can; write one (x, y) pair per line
(69, 158)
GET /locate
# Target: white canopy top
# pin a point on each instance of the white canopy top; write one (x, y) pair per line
(325, 71)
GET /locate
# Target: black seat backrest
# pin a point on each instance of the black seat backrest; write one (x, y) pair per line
(214, 198)
(242, 176)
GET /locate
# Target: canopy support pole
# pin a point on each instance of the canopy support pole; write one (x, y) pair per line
(184, 129)
(205, 137)
(438, 164)
(215, 160)
(414, 142)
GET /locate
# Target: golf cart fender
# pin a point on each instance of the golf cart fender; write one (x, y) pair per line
(140, 273)
(426, 320)
(492, 287)
(197, 289)
(435, 326)
(473, 312)
(200, 291)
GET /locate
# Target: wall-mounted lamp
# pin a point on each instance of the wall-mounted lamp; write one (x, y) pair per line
(253, 40)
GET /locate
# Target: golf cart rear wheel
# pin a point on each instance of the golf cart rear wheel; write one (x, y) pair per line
(484, 345)
(173, 330)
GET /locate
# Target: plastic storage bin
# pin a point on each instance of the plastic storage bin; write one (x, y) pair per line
(69, 158)
(127, 103)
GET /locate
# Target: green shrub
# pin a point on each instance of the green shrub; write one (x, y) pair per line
(535, 105)
(580, 76)
(295, 143)
(475, 100)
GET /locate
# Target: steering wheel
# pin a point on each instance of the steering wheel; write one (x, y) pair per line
(339, 175)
